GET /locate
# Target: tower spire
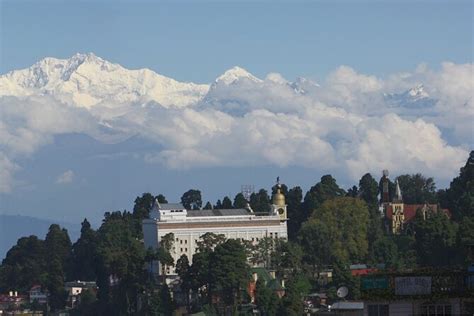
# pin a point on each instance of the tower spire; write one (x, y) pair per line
(398, 192)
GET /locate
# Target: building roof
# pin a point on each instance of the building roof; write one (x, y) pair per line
(170, 206)
(83, 284)
(358, 266)
(409, 210)
(218, 212)
(270, 282)
(347, 305)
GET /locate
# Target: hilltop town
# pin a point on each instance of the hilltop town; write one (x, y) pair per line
(380, 247)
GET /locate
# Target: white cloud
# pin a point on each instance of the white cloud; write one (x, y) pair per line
(7, 169)
(403, 146)
(65, 177)
(345, 125)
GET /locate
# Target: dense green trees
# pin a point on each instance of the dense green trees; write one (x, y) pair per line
(260, 201)
(240, 201)
(385, 250)
(435, 239)
(417, 189)
(322, 191)
(328, 228)
(295, 214)
(266, 299)
(465, 240)
(24, 265)
(191, 199)
(58, 251)
(368, 191)
(229, 271)
(120, 256)
(84, 254)
(459, 197)
(226, 203)
(336, 232)
(143, 205)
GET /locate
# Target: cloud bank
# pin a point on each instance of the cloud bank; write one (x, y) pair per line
(65, 177)
(350, 123)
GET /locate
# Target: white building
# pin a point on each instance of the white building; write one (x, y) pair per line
(75, 288)
(189, 225)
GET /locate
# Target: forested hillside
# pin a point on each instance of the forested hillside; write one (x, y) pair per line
(328, 227)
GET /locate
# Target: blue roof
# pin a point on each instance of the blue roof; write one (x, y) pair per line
(347, 305)
(170, 206)
(218, 212)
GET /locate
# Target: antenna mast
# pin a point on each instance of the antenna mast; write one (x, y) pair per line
(247, 190)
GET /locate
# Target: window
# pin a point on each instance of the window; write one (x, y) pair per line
(436, 310)
(186, 249)
(378, 310)
(181, 249)
(181, 242)
(186, 241)
(276, 235)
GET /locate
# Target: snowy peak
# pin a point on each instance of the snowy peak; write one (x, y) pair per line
(415, 97)
(418, 92)
(235, 74)
(86, 80)
(302, 85)
(49, 70)
(79, 60)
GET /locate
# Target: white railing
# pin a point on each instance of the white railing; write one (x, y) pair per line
(200, 219)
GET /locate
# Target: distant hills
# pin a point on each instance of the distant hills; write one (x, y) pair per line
(13, 227)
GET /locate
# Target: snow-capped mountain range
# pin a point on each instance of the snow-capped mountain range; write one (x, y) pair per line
(345, 124)
(86, 80)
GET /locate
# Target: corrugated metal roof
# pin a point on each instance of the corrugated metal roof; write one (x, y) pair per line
(171, 206)
(347, 305)
(358, 266)
(218, 212)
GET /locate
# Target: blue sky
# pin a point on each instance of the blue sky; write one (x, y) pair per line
(198, 40)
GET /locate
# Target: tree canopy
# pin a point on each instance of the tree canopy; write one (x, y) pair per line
(191, 199)
(336, 232)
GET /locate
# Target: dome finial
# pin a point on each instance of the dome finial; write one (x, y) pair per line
(278, 197)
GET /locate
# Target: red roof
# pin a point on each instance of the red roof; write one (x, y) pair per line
(409, 210)
(358, 272)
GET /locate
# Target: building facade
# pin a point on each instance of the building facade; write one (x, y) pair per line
(188, 226)
(399, 215)
(423, 293)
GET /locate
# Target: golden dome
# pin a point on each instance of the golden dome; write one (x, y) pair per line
(279, 198)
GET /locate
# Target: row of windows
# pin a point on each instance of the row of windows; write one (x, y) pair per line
(254, 239)
(425, 310)
(436, 310)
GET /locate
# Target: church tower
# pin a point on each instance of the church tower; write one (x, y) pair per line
(278, 202)
(398, 215)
